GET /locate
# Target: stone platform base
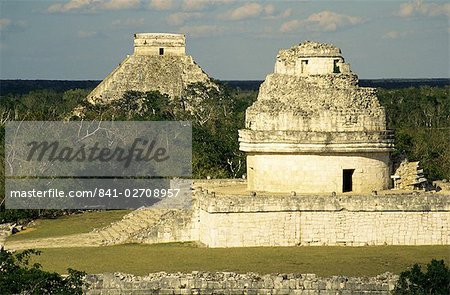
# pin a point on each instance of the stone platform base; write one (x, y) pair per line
(229, 216)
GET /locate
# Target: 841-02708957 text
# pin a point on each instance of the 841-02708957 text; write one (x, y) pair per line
(139, 193)
(98, 192)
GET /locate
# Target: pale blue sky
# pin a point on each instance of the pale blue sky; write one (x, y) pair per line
(229, 39)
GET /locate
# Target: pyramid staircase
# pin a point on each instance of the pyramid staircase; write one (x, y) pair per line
(121, 231)
(116, 233)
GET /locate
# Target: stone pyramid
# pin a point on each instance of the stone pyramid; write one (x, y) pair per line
(159, 63)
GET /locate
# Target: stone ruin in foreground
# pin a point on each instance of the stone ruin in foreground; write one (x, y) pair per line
(313, 129)
(159, 63)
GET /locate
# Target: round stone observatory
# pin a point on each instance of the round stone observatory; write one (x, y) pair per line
(313, 129)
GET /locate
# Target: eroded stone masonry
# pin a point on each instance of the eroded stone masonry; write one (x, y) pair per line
(223, 219)
(159, 63)
(319, 220)
(233, 283)
(313, 129)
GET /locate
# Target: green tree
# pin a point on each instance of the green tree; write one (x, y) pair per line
(19, 276)
(420, 118)
(435, 281)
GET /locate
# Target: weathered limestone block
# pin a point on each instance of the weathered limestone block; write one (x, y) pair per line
(442, 184)
(409, 176)
(317, 173)
(233, 283)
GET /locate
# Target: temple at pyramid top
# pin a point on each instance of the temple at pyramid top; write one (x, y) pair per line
(311, 58)
(159, 44)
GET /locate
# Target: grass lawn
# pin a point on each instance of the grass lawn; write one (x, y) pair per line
(66, 225)
(324, 261)
(142, 259)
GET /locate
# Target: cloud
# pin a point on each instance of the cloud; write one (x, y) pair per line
(161, 4)
(129, 22)
(391, 35)
(86, 34)
(180, 18)
(330, 21)
(284, 14)
(9, 25)
(4, 23)
(69, 6)
(395, 34)
(291, 25)
(120, 4)
(269, 9)
(325, 21)
(192, 5)
(406, 9)
(93, 5)
(426, 9)
(202, 30)
(246, 11)
(249, 10)
(199, 5)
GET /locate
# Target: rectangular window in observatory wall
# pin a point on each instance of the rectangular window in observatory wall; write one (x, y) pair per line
(161, 51)
(347, 180)
(304, 64)
(336, 69)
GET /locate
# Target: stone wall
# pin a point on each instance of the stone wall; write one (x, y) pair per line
(151, 43)
(310, 58)
(317, 173)
(288, 102)
(232, 283)
(218, 220)
(290, 141)
(353, 220)
(312, 66)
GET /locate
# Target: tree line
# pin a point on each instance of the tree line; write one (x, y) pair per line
(420, 118)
